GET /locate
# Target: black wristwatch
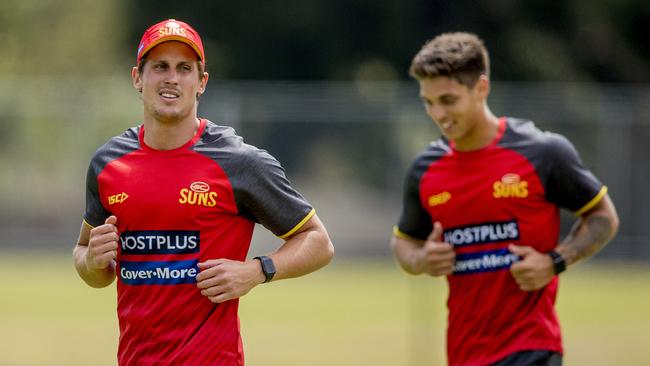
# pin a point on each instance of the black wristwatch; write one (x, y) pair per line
(559, 265)
(268, 268)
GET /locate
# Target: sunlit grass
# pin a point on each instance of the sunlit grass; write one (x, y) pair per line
(354, 312)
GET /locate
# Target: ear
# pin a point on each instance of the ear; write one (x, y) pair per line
(136, 78)
(203, 83)
(482, 87)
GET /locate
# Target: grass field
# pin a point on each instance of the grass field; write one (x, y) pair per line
(351, 313)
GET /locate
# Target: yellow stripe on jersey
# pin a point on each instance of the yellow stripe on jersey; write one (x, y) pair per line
(299, 225)
(402, 235)
(86, 222)
(593, 202)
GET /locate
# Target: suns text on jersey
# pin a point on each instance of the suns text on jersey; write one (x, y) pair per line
(510, 185)
(198, 194)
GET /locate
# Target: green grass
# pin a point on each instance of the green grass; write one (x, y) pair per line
(351, 313)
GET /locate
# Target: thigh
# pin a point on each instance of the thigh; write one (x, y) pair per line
(531, 358)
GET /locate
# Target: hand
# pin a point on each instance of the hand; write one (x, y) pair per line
(223, 279)
(437, 257)
(102, 245)
(534, 270)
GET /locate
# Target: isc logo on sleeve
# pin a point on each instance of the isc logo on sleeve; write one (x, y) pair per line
(117, 198)
(439, 199)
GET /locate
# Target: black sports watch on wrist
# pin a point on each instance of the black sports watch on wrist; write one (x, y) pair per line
(559, 265)
(268, 268)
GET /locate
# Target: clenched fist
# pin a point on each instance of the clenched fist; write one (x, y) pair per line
(437, 257)
(102, 246)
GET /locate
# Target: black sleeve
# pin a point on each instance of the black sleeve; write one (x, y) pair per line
(570, 185)
(95, 214)
(264, 194)
(414, 220)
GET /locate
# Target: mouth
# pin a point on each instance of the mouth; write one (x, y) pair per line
(446, 125)
(169, 94)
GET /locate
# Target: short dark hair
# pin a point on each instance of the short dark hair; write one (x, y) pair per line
(459, 55)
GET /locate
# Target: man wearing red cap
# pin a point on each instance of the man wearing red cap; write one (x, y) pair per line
(170, 210)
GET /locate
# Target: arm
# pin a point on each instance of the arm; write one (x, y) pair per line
(95, 253)
(432, 256)
(305, 251)
(590, 233)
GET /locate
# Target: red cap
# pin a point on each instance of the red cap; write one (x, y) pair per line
(170, 30)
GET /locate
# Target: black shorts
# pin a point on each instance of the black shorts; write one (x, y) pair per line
(531, 358)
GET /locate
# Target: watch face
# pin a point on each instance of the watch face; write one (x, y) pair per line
(267, 267)
(559, 265)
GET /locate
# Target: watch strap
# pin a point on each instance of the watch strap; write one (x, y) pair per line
(559, 264)
(268, 268)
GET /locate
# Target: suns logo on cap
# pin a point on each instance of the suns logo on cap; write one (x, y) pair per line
(171, 28)
(510, 185)
(198, 194)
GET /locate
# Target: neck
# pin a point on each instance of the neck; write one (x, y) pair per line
(169, 135)
(482, 134)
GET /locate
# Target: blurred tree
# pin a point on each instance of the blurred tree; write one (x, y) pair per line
(599, 40)
(63, 37)
(55, 56)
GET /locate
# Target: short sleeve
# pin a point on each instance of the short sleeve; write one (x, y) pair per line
(414, 221)
(570, 184)
(265, 195)
(95, 213)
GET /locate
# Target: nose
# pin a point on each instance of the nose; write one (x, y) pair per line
(172, 76)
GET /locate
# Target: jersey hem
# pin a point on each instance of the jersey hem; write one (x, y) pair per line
(299, 225)
(593, 201)
(499, 356)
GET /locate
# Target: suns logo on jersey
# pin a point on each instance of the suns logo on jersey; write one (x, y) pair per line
(117, 198)
(439, 199)
(198, 194)
(510, 185)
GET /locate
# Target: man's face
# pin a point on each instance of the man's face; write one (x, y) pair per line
(454, 107)
(170, 82)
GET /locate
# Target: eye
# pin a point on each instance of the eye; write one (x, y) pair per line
(448, 100)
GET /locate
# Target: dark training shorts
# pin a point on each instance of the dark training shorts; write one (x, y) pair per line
(531, 358)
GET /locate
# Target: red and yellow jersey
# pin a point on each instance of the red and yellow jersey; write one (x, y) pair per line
(507, 192)
(176, 208)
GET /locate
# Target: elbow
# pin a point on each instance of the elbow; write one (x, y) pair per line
(612, 217)
(393, 245)
(614, 223)
(328, 251)
(612, 214)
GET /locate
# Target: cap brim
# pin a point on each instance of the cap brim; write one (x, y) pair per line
(171, 38)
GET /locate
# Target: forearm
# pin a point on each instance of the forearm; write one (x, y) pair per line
(302, 254)
(407, 254)
(591, 233)
(94, 278)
